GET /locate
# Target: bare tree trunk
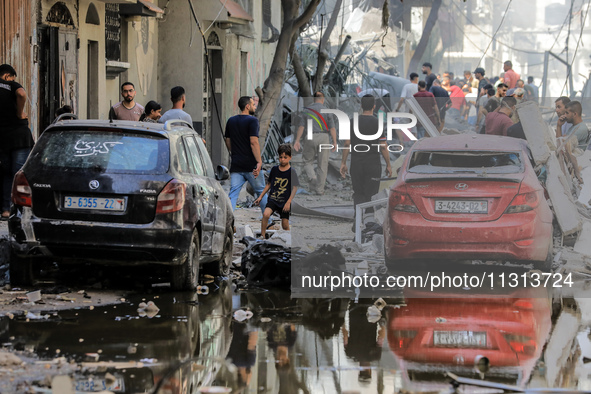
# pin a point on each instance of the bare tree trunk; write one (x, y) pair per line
(271, 91)
(422, 46)
(300, 73)
(317, 81)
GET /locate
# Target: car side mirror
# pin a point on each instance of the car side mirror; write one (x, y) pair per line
(222, 173)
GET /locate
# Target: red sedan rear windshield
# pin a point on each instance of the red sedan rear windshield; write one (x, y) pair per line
(433, 162)
(115, 152)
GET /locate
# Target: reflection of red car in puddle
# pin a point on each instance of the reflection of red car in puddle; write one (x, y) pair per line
(501, 336)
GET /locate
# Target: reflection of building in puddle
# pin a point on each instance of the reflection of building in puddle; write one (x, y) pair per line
(498, 338)
(118, 350)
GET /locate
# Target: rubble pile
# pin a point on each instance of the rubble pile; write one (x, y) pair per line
(566, 172)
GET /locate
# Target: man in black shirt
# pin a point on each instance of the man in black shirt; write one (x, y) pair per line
(14, 129)
(365, 165)
(430, 76)
(242, 140)
(442, 99)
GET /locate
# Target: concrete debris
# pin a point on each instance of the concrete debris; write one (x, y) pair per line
(109, 379)
(583, 244)
(7, 359)
(34, 296)
(147, 309)
(245, 231)
(62, 384)
(585, 193)
(374, 314)
(378, 242)
(380, 215)
(341, 212)
(561, 198)
(36, 316)
(536, 131)
(558, 348)
(241, 315)
(380, 303)
(282, 237)
(369, 247)
(352, 247)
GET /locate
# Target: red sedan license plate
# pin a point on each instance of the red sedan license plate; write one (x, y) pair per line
(461, 206)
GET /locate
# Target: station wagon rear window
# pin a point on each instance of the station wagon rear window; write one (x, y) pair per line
(474, 162)
(111, 152)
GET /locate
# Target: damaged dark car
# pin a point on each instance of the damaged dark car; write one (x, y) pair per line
(122, 193)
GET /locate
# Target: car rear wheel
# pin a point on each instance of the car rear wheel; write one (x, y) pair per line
(21, 270)
(186, 275)
(222, 267)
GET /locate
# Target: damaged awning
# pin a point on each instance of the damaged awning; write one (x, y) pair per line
(235, 12)
(141, 8)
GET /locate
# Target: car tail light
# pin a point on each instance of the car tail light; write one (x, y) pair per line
(402, 338)
(172, 197)
(402, 202)
(521, 344)
(21, 191)
(523, 203)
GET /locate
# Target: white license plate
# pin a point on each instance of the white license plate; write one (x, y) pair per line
(459, 338)
(94, 203)
(461, 206)
(91, 385)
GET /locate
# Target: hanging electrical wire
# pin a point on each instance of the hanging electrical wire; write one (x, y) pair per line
(494, 35)
(569, 71)
(206, 52)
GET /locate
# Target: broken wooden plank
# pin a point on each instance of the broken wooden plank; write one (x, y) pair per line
(536, 131)
(565, 209)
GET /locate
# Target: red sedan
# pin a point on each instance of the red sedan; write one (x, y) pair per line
(468, 197)
(502, 337)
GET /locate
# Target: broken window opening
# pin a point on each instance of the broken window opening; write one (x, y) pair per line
(428, 162)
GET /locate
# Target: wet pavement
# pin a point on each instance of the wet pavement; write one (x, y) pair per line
(192, 343)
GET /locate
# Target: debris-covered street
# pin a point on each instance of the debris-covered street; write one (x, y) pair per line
(295, 196)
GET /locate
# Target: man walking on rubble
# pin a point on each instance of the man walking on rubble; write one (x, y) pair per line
(366, 166)
(316, 174)
(242, 140)
(14, 127)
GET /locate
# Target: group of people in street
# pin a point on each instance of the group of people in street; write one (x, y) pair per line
(129, 109)
(486, 106)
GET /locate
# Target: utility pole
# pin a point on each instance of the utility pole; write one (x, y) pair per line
(570, 18)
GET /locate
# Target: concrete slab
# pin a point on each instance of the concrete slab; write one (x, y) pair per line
(583, 244)
(536, 131)
(565, 209)
(558, 348)
(585, 194)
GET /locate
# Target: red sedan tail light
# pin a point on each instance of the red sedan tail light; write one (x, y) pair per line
(524, 202)
(521, 344)
(21, 191)
(402, 202)
(402, 338)
(172, 197)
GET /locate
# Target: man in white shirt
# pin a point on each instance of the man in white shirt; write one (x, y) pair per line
(408, 91)
(177, 96)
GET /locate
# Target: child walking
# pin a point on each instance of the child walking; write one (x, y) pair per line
(283, 184)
